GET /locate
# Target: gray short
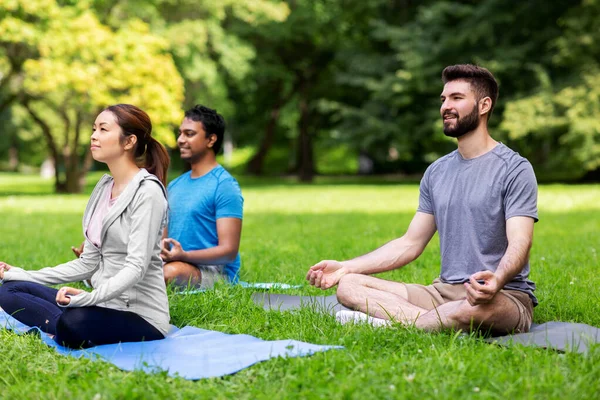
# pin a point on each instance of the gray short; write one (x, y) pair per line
(432, 296)
(211, 274)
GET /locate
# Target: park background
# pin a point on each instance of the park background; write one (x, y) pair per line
(333, 114)
(307, 87)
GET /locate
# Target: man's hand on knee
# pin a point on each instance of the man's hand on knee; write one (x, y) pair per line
(181, 273)
(482, 287)
(326, 274)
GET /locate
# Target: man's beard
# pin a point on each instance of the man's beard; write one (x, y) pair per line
(463, 125)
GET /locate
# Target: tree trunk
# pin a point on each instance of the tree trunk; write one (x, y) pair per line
(73, 181)
(7, 102)
(75, 171)
(305, 155)
(4, 82)
(87, 164)
(13, 153)
(257, 162)
(59, 187)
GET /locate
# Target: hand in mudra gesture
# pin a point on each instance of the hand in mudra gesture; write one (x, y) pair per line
(63, 296)
(325, 274)
(4, 267)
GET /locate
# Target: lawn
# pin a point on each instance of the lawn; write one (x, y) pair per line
(287, 228)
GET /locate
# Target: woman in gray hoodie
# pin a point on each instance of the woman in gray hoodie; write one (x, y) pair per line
(122, 225)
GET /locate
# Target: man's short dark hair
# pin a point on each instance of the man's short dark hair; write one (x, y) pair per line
(212, 122)
(481, 80)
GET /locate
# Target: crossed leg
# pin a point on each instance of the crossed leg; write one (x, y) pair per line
(389, 300)
(378, 298)
(182, 274)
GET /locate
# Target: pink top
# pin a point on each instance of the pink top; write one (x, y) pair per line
(94, 229)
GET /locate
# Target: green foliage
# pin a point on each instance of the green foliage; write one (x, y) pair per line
(208, 56)
(560, 117)
(294, 76)
(77, 66)
(295, 70)
(398, 69)
(102, 67)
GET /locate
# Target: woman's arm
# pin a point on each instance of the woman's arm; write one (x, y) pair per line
(72, 271)
(147, 213)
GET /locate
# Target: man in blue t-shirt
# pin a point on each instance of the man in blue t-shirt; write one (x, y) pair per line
(205, 208)
(482, 200)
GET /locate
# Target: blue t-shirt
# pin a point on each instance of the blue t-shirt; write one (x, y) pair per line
(195, 204)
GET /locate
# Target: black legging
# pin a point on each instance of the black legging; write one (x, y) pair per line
(35, 305)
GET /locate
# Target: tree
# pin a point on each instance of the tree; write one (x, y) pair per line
(82, 67)
(23, 25)
(210, 56)
(296, 66)
(558, 124)
(397, 72)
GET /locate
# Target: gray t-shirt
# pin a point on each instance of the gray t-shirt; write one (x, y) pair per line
(471, 201)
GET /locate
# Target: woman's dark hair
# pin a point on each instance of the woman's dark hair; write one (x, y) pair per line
(212, 122)
(148, 151)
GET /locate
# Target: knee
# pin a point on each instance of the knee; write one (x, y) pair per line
(346, 288)
(470, 317)
(7, 289)
(171, 271)
(69, 329)
(9, 286)
(4, 291)
(181, 274)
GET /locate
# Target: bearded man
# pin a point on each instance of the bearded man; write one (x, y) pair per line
(482, 199)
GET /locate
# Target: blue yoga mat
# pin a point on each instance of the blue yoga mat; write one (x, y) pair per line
(190, 352)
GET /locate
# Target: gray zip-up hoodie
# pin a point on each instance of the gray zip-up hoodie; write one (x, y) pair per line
(126, 271)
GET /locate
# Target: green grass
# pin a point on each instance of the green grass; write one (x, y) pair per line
(287, 228)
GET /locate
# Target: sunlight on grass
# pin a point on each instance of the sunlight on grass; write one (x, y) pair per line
(24, 184)
(569, 197)
(327, 199)
(30, 194)
(66, 204)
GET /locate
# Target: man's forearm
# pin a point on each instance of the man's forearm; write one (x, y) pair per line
(514, 260)
(214, 255)
(394, 254)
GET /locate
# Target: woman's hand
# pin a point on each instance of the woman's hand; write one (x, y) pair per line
(63, 296)
(4, 267)
(78, 250)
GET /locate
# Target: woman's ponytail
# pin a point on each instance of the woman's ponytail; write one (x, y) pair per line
(157, 159)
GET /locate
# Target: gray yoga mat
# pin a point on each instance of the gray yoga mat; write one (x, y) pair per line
(284, 302)
(561, 336)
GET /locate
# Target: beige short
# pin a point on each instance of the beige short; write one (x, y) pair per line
(438, 293)
(211, 274)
